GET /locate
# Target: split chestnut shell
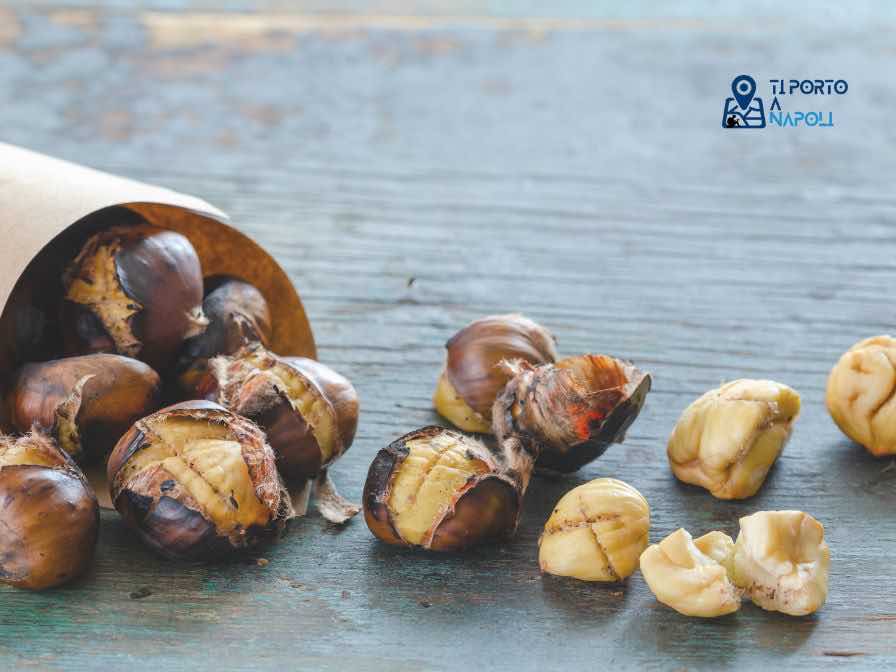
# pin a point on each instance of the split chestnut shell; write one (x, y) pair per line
(86, 403)
(135, 291)
(238, 315)
(441, 490)
(197, 482)
(308, 411)
(568, 413)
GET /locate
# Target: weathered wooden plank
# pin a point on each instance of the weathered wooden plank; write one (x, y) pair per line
(572, 169)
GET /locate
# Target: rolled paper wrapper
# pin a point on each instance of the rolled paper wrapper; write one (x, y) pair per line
(48, 209)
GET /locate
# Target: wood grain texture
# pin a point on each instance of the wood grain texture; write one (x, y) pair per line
(577, 173)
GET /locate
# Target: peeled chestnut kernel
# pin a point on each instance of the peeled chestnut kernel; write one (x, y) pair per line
(441, 490)
(308, 411)
(860, 393)
(693, 576)
(596, 532)
(728, 439)
(781, 561)
(197, 482)
(237, 314)
(568, 413)
(49, 517)
(134, 291)
(472, 377)
(86, 403)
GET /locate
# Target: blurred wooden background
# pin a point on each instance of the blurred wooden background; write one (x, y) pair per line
(414, 165)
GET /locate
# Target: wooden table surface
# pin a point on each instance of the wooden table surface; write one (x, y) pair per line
(414, 169)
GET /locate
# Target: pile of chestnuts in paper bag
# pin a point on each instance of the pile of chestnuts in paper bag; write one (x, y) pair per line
(211, 442)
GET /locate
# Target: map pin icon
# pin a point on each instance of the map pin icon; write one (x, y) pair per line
(744, 88)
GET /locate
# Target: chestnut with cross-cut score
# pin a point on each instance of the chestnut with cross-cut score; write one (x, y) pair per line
(134, 290)
(196, 481)
(308, 411)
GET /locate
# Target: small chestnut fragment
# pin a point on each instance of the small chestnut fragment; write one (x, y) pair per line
(135, 291)
(441, 490)
(197, 482)
(693, 576)
(49, 516)
(472, 377)
(308, 411)
(86, 403)
(237, 314)
(781, 561)
(568, 413)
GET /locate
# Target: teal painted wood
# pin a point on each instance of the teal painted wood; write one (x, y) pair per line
(576, 173)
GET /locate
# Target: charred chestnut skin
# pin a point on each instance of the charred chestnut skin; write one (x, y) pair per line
(136, 291)
(50, 516)
(113, 391)
(486, 509)
(238, 315)
(167, 517)
(570, 412)
(473, 358)
(245, 383)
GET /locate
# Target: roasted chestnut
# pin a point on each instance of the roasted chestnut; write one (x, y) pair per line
(473, 377)
(441, 490)
(237, 314)
(86, 402)
(568, 413)
(135, 291)
(308, 411)
(197, 482)
(49, 516)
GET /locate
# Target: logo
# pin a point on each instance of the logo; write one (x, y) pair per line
(745, 109)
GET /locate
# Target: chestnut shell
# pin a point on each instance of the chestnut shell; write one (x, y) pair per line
(570, 412)
(50, 520)
(238, 316)
(177, 529)
(120, 390)
(487, 511)
(157, 268)
(475, 352)
(249, 392)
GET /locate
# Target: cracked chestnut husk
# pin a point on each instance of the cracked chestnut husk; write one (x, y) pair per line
(198, 482)
(134, 291)
(473, 377)
(238, 315)
(49, 516)
(568, 413)
(85, 403)
(308, 412)
(442, 490)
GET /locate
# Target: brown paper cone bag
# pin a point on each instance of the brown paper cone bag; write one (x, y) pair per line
(49, 207)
